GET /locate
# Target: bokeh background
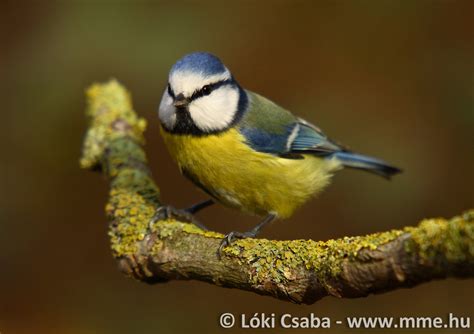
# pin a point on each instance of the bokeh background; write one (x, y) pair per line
(392, 79)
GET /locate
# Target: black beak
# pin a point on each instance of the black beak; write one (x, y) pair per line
(180, 101)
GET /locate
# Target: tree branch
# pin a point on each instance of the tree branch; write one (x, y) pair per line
(301, 271)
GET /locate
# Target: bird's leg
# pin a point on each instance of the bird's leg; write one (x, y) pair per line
(187, 215)
(199, 206)
(232, 236)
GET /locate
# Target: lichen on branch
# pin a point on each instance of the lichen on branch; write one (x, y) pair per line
(301, 271)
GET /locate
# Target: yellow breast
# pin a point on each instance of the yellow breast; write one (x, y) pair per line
(254, 182)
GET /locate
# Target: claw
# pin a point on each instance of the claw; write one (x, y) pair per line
(230, 238)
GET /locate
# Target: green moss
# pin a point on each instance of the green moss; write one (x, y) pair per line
(112, 117)
(276, 260)
(116, 130)
(168, 228)
(131, 214)
(438, 238)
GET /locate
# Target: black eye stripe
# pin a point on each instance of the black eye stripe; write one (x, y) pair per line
(170, 91)
(207, 89)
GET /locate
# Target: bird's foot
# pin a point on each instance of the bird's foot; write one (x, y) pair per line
(231, 237)
(165, 212)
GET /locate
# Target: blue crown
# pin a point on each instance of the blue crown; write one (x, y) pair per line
(200, 62)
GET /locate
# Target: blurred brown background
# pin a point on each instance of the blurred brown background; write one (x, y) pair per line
(391, 79)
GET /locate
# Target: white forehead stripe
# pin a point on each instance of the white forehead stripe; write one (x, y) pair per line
(188, 82)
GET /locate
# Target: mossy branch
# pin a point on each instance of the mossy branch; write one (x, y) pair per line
(301, 271)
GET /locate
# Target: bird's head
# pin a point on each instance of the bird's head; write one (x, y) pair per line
(202, 97)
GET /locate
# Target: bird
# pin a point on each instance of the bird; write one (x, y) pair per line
(243, 150)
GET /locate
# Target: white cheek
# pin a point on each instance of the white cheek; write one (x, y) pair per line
(167, 112)
(215, 111)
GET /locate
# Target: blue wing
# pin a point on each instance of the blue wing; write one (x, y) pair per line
(296, 137)
(271, 129)
(310, 139)
(267, 142)
(301, 137)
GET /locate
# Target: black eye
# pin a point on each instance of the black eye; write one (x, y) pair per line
(206, 90)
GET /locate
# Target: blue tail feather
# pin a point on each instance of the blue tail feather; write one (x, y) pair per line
(369, 164)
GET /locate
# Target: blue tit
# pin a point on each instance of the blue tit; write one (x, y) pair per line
(242, 149)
